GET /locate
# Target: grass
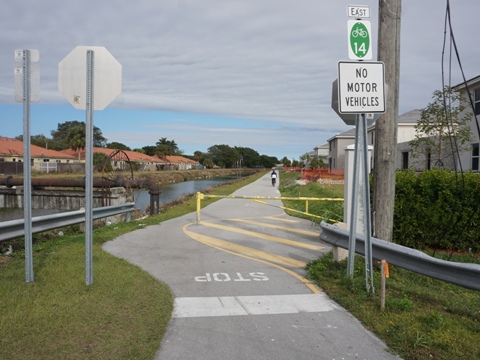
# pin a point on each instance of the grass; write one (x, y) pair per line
(328, 211)
(424, 318)
(123, 315)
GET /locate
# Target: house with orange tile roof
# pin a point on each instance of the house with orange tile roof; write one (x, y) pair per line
(42, 159)
(145, 162)
(171, 162)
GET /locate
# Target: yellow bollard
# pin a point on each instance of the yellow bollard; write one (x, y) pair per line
(200, 196)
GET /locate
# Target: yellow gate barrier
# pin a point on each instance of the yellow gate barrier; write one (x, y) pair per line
(201, 196)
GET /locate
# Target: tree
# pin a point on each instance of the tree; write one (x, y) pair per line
(305, 160)
(223, 155)
(314, 163)
(439, 128)
(286, 162)
(117, 146)
(38, 140)
(59, 136)
(99, 160)
(75, 138)
(248, 157)
(166, 147)
(149, 150)
(268, 161)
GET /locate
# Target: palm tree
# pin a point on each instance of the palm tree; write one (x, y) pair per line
(166, 147)
(75, 138)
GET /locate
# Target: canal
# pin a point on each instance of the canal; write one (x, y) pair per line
(168, 193)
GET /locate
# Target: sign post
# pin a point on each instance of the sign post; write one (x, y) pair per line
(359, 94)
(90, 78)
(27, 84)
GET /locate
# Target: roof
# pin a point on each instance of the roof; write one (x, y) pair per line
(134, 156)
(179, 159)
(347, 134)
(411, 117)
(323, 146)
(470, 82)
(14, 147)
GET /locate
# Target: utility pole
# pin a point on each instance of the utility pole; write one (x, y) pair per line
(386, 126)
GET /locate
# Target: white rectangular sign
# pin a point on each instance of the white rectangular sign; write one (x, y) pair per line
(361, 87)
(358, 11)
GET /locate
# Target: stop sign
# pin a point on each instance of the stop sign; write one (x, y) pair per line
(72, 78)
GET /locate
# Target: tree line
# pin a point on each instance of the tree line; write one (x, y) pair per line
(71, 135)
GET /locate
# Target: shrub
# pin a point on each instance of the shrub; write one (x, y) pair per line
(437, 209)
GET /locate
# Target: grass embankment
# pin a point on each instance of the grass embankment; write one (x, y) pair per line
(423, 319)
(123, 315)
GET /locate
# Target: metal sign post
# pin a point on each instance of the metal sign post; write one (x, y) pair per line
(89, 171)
(23, 86)
(360, 90)
(95, 91)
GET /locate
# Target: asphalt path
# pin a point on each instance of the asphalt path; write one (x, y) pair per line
(238, 278)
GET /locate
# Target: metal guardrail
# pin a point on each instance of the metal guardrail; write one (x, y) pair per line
(466, 275)
(15, 228)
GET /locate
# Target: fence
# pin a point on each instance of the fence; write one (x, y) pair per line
(11, 168)
(201, 196)
(324, 176)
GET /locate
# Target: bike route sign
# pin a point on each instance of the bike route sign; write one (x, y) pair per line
(359, 40)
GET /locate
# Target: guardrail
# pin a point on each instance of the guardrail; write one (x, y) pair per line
(201, 196)
(16, 228)
(466, 275)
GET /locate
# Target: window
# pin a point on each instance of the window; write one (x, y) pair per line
(475, 156)
(429, 159)
(477, 101)
(405, 160)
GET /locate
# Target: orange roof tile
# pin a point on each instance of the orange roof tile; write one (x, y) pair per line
(14, 147)
(134, 156)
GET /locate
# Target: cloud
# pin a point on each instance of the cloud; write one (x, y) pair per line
(270, 60)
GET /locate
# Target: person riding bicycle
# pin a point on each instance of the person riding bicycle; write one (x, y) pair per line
(274, 177)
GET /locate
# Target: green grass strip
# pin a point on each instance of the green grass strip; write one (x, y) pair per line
(123, 315)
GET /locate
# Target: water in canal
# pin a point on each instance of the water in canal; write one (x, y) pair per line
(170, 192)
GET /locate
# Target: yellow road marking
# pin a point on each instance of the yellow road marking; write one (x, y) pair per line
(199, 238)
(262, 236)
(304, 232)
(205, 239)
(282, 220)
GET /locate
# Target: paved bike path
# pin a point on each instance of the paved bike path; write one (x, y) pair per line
(239, 286)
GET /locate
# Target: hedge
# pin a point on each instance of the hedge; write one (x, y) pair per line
(437, 209)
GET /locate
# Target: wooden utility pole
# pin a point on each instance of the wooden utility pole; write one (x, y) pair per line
(386, 126)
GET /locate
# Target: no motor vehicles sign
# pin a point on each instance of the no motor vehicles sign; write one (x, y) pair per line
(361, 87)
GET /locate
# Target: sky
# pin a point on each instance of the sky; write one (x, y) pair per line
(247, 73)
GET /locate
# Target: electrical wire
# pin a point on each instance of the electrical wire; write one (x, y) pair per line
(451, 130)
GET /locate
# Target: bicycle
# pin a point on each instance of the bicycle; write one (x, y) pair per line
(274, 180)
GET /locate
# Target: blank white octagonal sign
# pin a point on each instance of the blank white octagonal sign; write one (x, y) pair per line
(107, 75)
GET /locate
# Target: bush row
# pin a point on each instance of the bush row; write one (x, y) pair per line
(437, 209)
